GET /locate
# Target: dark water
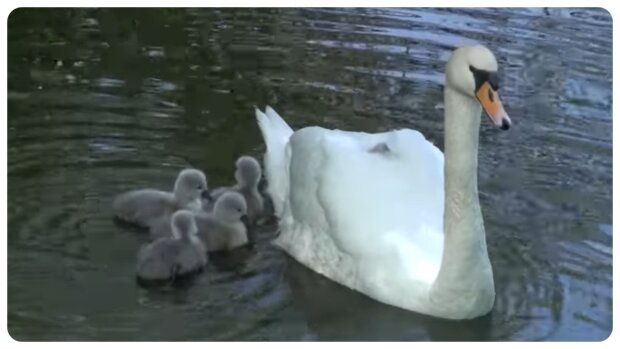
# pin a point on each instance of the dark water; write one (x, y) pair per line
(101, 101)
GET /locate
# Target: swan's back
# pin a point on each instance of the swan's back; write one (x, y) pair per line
(366, 210)
(386, 205)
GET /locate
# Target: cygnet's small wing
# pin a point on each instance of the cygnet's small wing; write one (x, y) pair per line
(142, 206)
(157, 261)
(218, 236)
(191, 258)
(207, 231)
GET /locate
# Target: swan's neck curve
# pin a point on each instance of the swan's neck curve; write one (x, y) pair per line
(465, 267)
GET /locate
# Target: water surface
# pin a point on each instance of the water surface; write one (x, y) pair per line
(102, 101)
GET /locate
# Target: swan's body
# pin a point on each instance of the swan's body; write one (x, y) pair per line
(144, 207)
(375, 212)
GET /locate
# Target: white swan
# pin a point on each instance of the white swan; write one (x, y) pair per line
(370, 211)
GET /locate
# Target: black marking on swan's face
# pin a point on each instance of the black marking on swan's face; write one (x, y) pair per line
(481, 76)
(487, 84)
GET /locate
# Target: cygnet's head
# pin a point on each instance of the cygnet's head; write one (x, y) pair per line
(230, 207)
(190, 185)
(472, 71)
(248, 171)
(183, 225)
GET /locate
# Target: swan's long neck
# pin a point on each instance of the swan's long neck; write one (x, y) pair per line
(465, 264)
(462, 216)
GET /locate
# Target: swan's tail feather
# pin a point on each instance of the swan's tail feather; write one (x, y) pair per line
(283, 128)
(276, 133)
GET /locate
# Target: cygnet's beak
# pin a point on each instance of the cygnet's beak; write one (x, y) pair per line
(206, 195)
(492, 105)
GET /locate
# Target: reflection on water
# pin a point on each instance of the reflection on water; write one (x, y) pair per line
(101, 101)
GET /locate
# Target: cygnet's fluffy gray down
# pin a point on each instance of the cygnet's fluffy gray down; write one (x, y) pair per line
(248, 175)
(160, 228)
(143, 207)
(178, 255)
(224, 228)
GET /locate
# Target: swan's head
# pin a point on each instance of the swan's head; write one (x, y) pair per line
(183, 225)
(472, 71)
(248, 171)
(230, 207)
(191, 185)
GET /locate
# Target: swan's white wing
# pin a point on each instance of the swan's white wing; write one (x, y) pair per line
(384, 206)
(276, 134)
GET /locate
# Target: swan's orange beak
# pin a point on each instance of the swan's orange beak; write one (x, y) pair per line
(489, 99)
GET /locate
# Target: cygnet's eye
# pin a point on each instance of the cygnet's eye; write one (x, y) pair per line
(199, 187)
